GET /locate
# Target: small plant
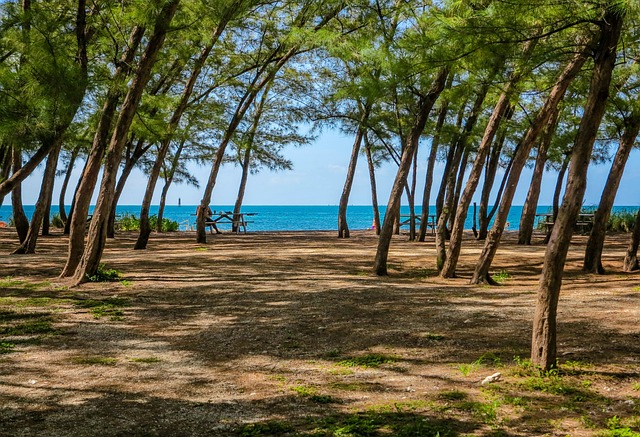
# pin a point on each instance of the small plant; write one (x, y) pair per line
(149, 360)
(636, 386)
(501, 276)
(369, 360)
(103, 274)
(466, 369)
(110, 307)
(96, 361)
(618, 429)
(56, 221)
(6, 347)
(312, 394)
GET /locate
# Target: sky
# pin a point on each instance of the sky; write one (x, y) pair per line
(318, 179)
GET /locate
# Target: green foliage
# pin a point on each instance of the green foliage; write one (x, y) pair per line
(10, 282)
(95, 361)
(129, 222)
(271, 428)
(148, 360)
(37, 326)
(110, 307)
(104, 274)
(369, 360)
(622, 221)
(6, 347)
(56, 221)
(501, 276)
(618, 429)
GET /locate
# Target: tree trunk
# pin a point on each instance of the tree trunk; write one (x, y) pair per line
(65, 185)
(19, 217)
(5, 169)
(237, 207)
(128, 167)
(543, 347)
(98, 230)
(491, 169)
(89, 178)
(168, 181)
(595, 244)
(343, 226)
(455, 239)
(372, 179)
(258, 83)
(393, 207)
(46, 189)
(481, 272)
(528, 218)
(631, 257)
(557, 192)
(145, 228)
(431, 163)
(460, 144)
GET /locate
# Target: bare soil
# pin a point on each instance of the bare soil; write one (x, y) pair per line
(291, 334)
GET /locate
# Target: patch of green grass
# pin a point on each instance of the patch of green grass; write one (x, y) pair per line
(312, 394)
(616, 428)
(271, 428)
(466, 369)
(432, 336)
(636, 386)
(452, 395)
(37, 326)
(355, 386)
(10, 282)
(6, 347)
(126, 282)
(501, 276)
(369, 360)
(148, 360)
(31, 302)
(201, 249)
(110, 307)
(104, 274)
(96, 361)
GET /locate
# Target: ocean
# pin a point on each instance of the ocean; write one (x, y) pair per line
(291, 218)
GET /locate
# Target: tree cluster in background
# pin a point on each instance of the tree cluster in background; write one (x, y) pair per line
(484, 85)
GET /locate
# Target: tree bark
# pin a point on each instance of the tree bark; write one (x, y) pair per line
(46, 189)
(65, 185)
(98, 230)
(528, 218)
(557, 192)
(631, 257)
(431, 163)
(89, 178)
(543, 344)
(5, 166)
(343, 226)
(425, 105)
(374, 190)
(455, 239)
(459, 146)
(481, 272)
(595, 244)
(19, 217)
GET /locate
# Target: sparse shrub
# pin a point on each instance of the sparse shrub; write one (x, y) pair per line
(103, 274)
(56, 221)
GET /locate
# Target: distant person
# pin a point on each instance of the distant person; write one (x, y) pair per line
(208, 220)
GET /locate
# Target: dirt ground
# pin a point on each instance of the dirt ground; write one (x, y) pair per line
(290, 334)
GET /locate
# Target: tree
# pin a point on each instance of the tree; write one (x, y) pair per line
(543, 345)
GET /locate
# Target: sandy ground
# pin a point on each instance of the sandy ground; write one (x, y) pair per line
(291, 334)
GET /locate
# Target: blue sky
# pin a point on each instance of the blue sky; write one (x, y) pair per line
(318, 178)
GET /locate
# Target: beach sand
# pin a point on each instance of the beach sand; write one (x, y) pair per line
(290, 333)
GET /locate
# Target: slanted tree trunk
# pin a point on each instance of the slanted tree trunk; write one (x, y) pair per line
(168, 181)
(631, 257)
(425, 104)
(89, 178)
(372, 179)
(343, 226)
(543, 344)
(5, 166)
(595, 244)
(98, 229)
(46, 189)
(481, 272)
(455, 240)
(65, 184)
(460, 145)
(528, 218)
(431, 163)
(263, 77)
(491, 170)
(145, 228)
(557, 192)
(19, 217)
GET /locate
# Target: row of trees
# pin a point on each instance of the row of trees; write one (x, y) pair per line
(484, 84)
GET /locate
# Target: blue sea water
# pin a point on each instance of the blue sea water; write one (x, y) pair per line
(291, 218)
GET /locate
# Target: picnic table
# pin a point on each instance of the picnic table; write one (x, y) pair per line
(237, 221)
(583, 224)
(405, 220)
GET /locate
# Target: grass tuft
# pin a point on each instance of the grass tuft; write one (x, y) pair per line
(369, 360)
